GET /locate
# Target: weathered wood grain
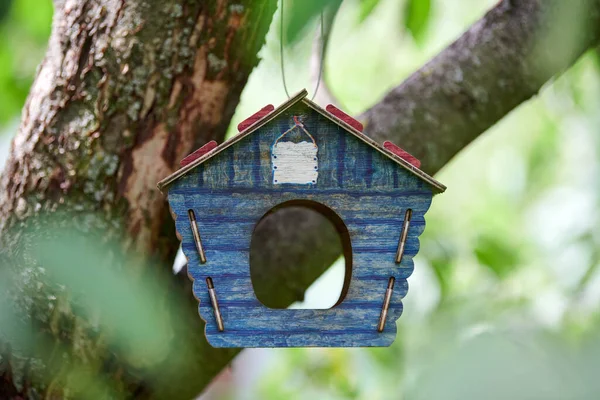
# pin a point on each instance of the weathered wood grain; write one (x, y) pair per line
(296, 101)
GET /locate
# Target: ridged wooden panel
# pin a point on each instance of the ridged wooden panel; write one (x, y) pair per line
(231, 192)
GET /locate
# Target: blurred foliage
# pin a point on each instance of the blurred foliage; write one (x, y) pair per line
(504, 299)
(24, 31)
(107, 292)
(366, 8)
(4, 8)
(416, 17)
(97, 302)
(302, 12)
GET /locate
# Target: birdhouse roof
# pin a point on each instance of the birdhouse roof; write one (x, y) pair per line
(263, 118)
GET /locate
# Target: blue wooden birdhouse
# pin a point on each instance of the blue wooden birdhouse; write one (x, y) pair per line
(295, 154)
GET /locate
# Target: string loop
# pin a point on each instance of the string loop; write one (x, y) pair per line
(281, 54)
(298, 124)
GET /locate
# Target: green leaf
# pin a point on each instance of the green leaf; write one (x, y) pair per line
(416, 17)
(35, 17)
(366, 9)
(299, 13)
(440, 253)
(5, 6)
(497, 253)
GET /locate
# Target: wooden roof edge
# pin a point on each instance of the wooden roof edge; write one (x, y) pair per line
(260, 123)
(301, 96)
(371, 142)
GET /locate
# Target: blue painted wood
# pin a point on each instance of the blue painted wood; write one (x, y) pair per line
(232, 191)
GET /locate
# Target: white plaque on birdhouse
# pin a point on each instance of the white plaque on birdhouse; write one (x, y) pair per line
(295, 162)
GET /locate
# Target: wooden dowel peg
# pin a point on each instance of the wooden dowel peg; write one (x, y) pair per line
(196, 233)
(403, 236)
(213, 299)
(386, 304)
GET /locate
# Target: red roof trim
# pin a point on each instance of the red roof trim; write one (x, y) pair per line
(345, 117)
(300, 97)
(254, 118)
(403, 154)
(208, 147)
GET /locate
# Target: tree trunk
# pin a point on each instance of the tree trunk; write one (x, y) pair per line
(128, 88)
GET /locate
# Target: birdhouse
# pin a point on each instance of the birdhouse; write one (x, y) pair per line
(296, 154)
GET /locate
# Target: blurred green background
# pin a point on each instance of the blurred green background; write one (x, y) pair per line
(504, 299)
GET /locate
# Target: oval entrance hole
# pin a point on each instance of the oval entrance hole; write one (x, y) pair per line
(289, 267)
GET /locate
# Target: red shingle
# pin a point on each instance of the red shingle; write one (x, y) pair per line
(198, 153)
(254, 118)
(403, 154)
(344, 117)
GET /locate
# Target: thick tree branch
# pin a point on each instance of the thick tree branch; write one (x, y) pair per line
(127, 86)
(501, 61)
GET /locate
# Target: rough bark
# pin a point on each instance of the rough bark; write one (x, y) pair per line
(127, 88)
(501, 61)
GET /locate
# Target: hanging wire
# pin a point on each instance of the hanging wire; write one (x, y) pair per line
(322, 59)
(281, 54)
(281, 49)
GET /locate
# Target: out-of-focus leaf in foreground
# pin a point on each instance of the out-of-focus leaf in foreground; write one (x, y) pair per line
(103, 286)
(66, 280)
(80, 380)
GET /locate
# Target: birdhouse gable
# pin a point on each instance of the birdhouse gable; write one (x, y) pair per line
(300, 154)
(341, 123)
